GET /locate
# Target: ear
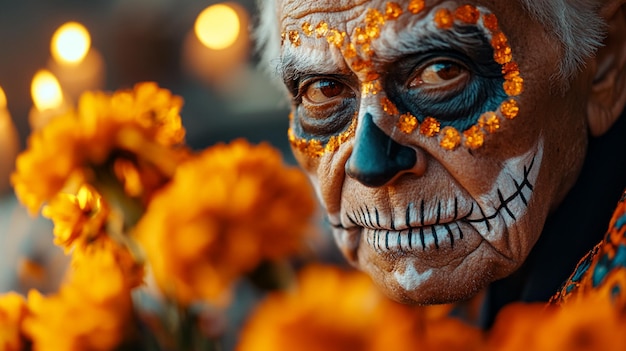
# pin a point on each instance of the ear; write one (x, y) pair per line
(608, 91)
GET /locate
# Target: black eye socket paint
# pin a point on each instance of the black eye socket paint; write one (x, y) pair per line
(456, 106)
(460, 110)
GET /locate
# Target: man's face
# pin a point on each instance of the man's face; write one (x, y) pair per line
(433, 133)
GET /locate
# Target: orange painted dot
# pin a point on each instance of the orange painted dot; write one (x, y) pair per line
(307, 29)
(511, 75)
(467, 13)
(370, 88)
(489, 121)
(444, 19)
(321, 29)
(514, 86)
(510, 67)
(294, 37)
(509, 109)
(335, 37)
(430, 127)
(503, 56)
(499, 41)
(407, 123)
(392, 10)
(490, 21)
(451, 138)
(372, 30)
(416, 6)
(474, 137)
(388, 106)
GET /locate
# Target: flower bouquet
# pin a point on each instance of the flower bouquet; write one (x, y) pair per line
(150, 222)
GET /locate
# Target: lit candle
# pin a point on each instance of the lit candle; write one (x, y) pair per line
(77, 65)
(217, 47)
(48, 99)
(9, 144)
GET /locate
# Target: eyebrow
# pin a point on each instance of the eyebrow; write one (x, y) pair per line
(415, 38)
(296, 63)
(422, 36)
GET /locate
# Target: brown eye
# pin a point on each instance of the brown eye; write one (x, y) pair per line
(440, 74)
(325, 90)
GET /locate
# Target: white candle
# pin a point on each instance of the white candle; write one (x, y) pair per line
(9, 144)
(48, 99)
(77, 65)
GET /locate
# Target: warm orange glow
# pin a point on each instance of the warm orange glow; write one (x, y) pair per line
(218, 26)
(3, 99)
(70, 43)
(46, 91)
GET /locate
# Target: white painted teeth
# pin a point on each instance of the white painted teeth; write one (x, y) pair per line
(423, 238)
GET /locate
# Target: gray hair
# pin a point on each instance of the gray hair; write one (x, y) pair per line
(575, 23)
(578, 26)
(267, 36)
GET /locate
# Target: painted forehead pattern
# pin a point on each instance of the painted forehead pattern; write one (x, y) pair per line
(357, 51)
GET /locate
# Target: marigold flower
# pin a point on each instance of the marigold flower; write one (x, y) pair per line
(77, 218)
(585, 324)
(12, 311)
(91, 311)
(142, 125)
(337, 310)
(247, 207)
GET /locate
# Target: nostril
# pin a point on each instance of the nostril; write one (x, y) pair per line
(376, 158)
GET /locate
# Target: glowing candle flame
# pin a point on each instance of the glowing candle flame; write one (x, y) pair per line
(46, 91)
(3, 99)
(70, 43)
(217, 26)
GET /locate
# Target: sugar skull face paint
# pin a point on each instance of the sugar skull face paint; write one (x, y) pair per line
(426, 146)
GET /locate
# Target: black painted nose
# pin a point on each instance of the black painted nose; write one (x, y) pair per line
(376, 158)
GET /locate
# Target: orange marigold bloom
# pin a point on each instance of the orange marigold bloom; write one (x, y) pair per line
(337, 310)
(12, 311)
(143, 122)
(78, 219)
(91, 311)
(592, 324)
(247, 207)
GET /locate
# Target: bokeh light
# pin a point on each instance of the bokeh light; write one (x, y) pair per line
(70, 43)
(218, 26)
(3, 99)
(46, 91)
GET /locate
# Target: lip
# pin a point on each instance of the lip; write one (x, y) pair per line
(436, 245)
(433, 237)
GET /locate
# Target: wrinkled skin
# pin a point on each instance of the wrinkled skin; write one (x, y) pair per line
(430, 224)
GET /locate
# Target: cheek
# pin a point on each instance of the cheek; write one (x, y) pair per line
(327, 174)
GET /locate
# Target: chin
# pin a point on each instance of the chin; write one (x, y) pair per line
(452, 269)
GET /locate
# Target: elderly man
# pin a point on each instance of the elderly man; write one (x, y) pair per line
(457, 145)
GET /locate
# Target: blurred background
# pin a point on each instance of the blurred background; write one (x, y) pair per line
(206, 57)
(52, 50)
